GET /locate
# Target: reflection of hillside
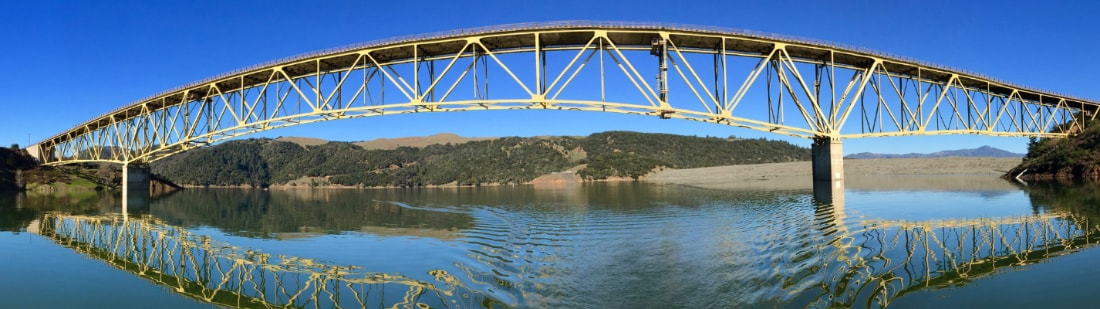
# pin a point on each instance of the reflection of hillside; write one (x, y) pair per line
(612, 196)
(1079, 199)
(13, 216)
(282, 214)
(404, 212)
(17, 210)
(984, 185)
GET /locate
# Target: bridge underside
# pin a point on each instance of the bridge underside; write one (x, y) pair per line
(792, 86)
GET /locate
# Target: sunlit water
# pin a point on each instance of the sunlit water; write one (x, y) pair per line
(625, 245)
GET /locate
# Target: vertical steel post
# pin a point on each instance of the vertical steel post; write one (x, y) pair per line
(659, 47)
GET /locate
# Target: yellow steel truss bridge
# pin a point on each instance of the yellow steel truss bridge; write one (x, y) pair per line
(786, 85)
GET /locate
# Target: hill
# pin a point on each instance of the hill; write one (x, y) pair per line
(391, 143)
(508, 160)
(984, 151)
(302, 141)
(1076, 157)
(12, 162)
(424, 141)
(19, 171)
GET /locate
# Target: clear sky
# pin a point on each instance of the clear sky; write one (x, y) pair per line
(68, 61)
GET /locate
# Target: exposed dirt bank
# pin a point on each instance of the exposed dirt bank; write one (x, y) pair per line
(869, 174)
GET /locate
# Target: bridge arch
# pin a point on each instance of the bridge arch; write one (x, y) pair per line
(766, 82)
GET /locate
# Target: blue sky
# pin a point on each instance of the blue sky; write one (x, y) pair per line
(70, 61)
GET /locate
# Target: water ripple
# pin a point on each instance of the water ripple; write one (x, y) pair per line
(639, 256)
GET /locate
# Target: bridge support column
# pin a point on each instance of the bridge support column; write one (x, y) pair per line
(135, 186)
(828, 171)
(828, 159)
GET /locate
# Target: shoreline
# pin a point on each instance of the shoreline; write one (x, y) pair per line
(860, 174)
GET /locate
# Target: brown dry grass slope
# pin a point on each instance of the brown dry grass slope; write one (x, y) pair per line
(441, 138)
(870, 173)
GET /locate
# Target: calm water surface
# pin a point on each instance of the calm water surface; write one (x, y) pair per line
(899, 242)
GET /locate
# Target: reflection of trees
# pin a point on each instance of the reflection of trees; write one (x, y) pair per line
(217, 273)
(18, 209)
(259, 213)
(1079, 199)
(263, 213)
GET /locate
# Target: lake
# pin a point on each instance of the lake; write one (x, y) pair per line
(901, 242)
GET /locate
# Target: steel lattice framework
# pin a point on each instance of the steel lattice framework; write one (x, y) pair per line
(765, 82)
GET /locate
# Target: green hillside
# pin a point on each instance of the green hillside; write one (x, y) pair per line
(1076, 157)
(509, 160)
(12, 160)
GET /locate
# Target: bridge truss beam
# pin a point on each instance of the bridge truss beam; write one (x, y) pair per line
(762, 82)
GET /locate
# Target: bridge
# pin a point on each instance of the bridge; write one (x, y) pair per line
(800, 87)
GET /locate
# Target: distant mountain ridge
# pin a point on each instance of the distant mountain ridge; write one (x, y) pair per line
(984, 151)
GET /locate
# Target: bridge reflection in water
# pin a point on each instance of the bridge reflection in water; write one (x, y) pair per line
(864, 263)
(894, 258)
(874, 262)
(218, 273)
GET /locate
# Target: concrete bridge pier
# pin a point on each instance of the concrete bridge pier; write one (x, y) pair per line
(135, 187)
(828, 170)
(828, 159)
